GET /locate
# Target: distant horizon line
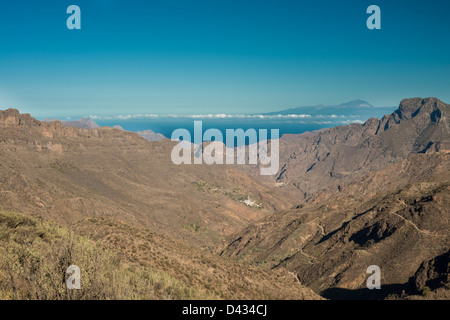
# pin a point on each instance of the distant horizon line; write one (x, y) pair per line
(219, 115)
(265, 115)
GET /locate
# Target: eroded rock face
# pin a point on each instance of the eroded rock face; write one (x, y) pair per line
(432, 274)
(12, 118)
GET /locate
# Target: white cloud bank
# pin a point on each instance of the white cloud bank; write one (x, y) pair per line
(213, 116)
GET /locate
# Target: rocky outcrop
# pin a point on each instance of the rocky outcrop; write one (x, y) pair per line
(82, 123)
(432, 274)
(150, 135)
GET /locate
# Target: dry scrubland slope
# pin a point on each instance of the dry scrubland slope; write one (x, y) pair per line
(120, 262)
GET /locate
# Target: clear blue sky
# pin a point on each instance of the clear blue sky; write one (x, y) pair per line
(219, 56)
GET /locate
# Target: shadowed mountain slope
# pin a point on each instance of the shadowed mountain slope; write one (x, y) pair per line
(432, 279)
(395, 218)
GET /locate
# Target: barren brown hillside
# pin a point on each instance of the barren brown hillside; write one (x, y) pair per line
(344, 198)
(68, 174)
(122, 194)
(395, 218)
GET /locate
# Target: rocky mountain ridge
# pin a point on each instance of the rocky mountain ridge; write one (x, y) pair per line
(324, 160)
